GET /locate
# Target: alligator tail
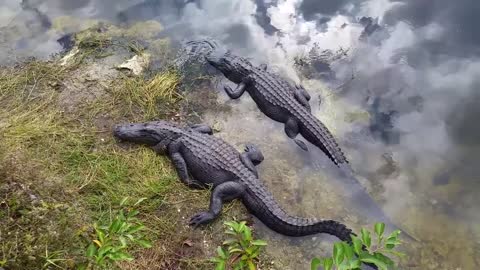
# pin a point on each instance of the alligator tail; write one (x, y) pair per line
(318, 134)
(274, 217)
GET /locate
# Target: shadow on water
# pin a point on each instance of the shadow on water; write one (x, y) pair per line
(436, 199)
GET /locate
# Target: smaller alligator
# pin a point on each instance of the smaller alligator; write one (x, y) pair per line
(202, 159)
(279, 100)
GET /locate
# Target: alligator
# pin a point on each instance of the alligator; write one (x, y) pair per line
(279, 100)
(201, 159)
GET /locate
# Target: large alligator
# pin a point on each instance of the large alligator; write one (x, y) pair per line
(202, 159)
(279, 100)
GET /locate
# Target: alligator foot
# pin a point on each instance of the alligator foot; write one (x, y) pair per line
(202, 128)
(301, 144)
(201, 218)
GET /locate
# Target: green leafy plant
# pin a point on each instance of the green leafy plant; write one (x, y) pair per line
(241, 249)
(363, 249)
(111, 241)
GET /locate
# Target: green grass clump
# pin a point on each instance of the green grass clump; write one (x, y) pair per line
(147, 95)
(60, 173)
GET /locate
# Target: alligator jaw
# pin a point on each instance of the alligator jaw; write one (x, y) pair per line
(136, 133)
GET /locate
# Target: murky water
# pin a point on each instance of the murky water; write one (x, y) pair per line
(427, 183)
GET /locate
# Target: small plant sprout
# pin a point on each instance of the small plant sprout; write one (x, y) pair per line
(363, 249)
(240, 251)
(110, 242)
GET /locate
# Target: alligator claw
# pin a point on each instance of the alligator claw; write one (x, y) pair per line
(200, 218)
(227, 88)
(301, 144)
(249, 147)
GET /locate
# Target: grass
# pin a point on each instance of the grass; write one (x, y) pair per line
(60, 173)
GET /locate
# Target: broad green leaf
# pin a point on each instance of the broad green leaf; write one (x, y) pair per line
(235, 250)
(315, 263)
(328, 263)
(136, 229)
(103, 250)
(120, 256)
(338, 253)
(247, 234)
(139, 201)
(371, 259)
(144, 243)
(354, 264)
(91, 250)
(394, 235)
(230, 224)
(259, 243)
(229, 241)
(379, 228)
(242, 226)
(133, 213)
(251, 266)
(348, 250)
(255, 253)
(357, 245)
(220, 266)
(384, 259)
(115, 225)
(221, 252)
(367, 241)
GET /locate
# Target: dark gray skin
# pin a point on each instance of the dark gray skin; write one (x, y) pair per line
(202, 159)
(277, 99)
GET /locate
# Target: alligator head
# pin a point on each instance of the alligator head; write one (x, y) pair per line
(235, 68)
(148, 133)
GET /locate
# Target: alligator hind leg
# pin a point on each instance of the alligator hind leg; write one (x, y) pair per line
(291, 128)
(302, 96)
(224, 192)
(181, 167)
(239, 90)
(251, 157)
(302, 100)
(303, 91)
(202, 128)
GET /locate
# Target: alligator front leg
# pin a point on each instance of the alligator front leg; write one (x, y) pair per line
(224, 192)
(181, 166)
(202, 128)
(161, 147)
(251, 157)
(239, 90)
(292, 130)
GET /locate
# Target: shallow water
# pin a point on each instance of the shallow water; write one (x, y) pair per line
(431, 195)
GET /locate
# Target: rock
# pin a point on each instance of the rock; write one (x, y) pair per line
(136, 64)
